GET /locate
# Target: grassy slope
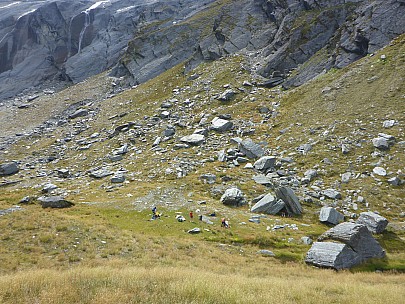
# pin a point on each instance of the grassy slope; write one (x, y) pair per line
(105, 249)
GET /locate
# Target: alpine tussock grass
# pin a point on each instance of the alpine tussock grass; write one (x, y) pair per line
(123, 284)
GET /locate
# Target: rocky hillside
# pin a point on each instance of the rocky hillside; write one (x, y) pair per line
(215, 140)
(65, 42)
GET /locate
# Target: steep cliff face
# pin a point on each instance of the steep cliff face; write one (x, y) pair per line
(72, 40)
(277, 35)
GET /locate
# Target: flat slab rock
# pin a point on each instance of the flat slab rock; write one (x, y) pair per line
(269, 205)
(54, 202)
(193, 139)
(251, 149)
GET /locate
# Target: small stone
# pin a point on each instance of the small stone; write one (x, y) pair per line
(251, 149)
(221, 125)
(48, 188)
(331, 193)
(330, 215)
(381, 143)
(266, 252)
(264, 163)
(194, 231)
(193, 139)
(380, 171)
(345, 149)
(306, 240)
(346, 177)
(311, 174)
(394, 181)
(118, 178)
(209, 178)
(388, 123)
(227, 95)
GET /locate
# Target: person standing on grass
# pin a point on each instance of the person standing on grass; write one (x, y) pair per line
(191, 214)
(223, 222)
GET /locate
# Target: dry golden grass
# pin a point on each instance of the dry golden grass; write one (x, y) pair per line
(128, 284)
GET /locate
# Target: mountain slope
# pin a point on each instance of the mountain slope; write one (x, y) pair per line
(343, 107)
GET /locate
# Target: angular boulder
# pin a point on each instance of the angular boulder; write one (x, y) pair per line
(292, 203)
(8, 169)
(330, 215)
(251, 149)
(374, 222)
(264, 163)
(233, 197)
(194, 231)
(54, 202)
(381, 143)
(332, 255)
(227, 95)
(221, 125)
(269, 205)
(355, 245)
(331, 193)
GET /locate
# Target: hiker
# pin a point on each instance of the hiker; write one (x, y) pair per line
(223, 222)
(227, 224)
(155, 214)
(191, 214)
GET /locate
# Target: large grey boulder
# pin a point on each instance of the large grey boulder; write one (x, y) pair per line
(54, 202)
(357, 237)
(251, 149)
(356, 244)
(8, 169)
(233, 197)
(292, 203)
(332, 255)
(373, 221)
(269, 205)
(330, 215)
(264, 163)
(221, 125)
(193, 139)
